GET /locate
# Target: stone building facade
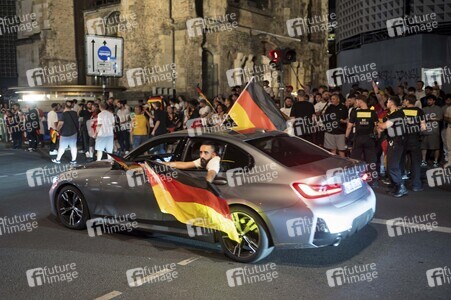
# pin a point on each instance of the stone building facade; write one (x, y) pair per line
(178, 44)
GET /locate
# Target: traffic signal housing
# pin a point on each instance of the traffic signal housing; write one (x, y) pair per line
(276, 57)
(289, 56)
(281, 57)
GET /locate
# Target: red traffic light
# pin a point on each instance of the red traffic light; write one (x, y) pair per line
(275, 55)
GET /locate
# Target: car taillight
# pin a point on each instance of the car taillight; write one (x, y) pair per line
(313, 191)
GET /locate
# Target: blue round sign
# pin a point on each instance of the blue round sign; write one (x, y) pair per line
(104, 53)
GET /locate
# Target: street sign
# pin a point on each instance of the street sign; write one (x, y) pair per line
(104, 56)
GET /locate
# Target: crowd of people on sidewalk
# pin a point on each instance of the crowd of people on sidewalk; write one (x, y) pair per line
(356, 124)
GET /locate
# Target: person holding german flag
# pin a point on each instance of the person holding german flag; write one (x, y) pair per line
(190, 200)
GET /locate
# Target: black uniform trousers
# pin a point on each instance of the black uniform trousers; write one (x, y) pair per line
(394, 155)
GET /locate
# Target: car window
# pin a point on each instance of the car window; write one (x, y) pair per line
(165, 150)
(289, 151)
(231, 156)
(235, 157)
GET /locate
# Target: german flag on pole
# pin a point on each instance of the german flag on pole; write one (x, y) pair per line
(202, 95)
(190, 200)
(156, 99)
(254, 108)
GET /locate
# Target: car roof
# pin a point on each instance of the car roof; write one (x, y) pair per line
(242, 135)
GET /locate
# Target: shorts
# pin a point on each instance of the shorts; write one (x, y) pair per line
(68, 141)
(334, 141)
(105, 143)
(431, 142)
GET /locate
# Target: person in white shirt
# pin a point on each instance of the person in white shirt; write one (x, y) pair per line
(204, 108)
(208, 160)
(52, 124)
(420, 93)
(268, 89)
(104, 134)
(320, 106)
(288, 105)
(123, 132)
(76, 107)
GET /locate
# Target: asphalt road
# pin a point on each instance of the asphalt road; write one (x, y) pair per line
(93, 267)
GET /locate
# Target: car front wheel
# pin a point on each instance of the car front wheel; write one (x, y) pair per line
(71, 208)
(254, 245)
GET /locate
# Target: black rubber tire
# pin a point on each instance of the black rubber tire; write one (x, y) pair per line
(80, 203)
(263, 242)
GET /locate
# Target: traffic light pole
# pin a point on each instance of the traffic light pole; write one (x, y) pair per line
(281, 87)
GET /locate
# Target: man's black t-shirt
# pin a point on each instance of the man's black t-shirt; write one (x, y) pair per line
(397, 130)
(332, 117)
(162, 117)
(85, 115)
(414, 116)
(32, 120)
(70, 126)
(302, 109)
(195, 114)
(364, 121)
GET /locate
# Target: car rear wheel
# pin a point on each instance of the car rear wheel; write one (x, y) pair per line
(255, 241)
(71, 208)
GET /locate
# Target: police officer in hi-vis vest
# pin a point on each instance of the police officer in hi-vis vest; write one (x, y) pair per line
(394, 124)
(414, 124)
(364, 120)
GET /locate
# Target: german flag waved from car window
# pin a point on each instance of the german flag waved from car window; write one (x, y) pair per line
(190, 200)
(254, 108)
(123, 163)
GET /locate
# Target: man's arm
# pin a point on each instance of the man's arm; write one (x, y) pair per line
(348, 129)
(211, 175)
(157, 124)
(59, 125)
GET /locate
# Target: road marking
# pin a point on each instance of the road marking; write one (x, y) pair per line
(19, 174)
(188, 261)
(109, 295)
(438, 228)
(149, 278)
(6, 154)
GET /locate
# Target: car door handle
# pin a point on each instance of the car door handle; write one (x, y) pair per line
(220, 181)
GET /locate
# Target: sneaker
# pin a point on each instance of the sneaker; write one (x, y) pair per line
(417, 189)
(405, 177)
(54, 152)
(88, 154)
(74, 162)
(56, 161)
(386, 181)
(127, 152)
(435, 164)
(424, 164)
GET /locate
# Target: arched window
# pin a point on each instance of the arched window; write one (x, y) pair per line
(209, 75)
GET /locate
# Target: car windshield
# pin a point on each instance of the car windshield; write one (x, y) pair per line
(289, 151)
